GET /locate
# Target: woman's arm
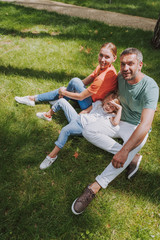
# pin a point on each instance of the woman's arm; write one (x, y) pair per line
(87, 110)
(88, 80)
(76, 96)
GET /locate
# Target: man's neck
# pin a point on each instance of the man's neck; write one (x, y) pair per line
(137, 79)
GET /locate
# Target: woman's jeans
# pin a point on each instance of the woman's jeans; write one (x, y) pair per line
(101, 135)
(75, 85)
(73, 128)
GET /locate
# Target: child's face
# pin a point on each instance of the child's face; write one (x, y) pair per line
(106, 58)
(107, 106)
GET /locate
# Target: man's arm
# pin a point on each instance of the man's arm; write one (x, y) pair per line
(135, 139)
(76, 96)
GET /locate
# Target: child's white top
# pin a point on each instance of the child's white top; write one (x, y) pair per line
(96, 113)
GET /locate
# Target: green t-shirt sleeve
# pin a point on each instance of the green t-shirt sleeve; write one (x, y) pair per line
(151, 96)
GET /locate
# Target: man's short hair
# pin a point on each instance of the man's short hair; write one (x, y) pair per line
(133, 51)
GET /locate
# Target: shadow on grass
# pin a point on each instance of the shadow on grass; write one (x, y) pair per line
(66, 26)
(31, 134)
(124, 7)
(39, 202)
(28, 72)
(36, 204)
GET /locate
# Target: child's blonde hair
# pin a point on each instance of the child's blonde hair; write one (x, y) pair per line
(114, 95)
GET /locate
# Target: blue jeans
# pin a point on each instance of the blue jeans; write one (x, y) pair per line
(73, 128)
(75, 85)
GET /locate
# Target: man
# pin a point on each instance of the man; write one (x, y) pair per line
(138, 96)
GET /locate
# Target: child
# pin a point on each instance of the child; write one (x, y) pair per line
(102, 80)
(109, 109)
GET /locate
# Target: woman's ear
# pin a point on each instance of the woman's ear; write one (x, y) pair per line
(115, 57)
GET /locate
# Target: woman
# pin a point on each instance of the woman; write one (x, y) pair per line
(102, 80)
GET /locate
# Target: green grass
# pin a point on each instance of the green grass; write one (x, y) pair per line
(142, 8)
(40, 51)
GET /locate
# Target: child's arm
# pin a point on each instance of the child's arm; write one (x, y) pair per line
(87, 110)
(115, 120)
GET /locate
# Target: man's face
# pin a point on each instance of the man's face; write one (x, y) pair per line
(130, 67)
(105, 58)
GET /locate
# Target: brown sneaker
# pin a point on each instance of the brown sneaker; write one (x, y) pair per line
(83, 201)
(134, 165)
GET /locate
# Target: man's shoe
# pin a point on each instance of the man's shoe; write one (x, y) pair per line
(25, 100)
(83, 201)
(42, 115)
(133, 166)
(47, 162)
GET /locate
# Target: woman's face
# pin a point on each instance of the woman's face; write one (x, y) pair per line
(106, 58)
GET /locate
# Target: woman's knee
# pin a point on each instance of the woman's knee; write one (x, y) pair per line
(74, 81)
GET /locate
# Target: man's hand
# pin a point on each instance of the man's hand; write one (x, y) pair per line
(61, 90)
(119, 158)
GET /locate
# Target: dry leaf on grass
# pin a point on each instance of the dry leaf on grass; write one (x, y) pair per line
(76, 154)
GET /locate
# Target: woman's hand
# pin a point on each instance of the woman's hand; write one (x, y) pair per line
(61, 91)
(83, 112)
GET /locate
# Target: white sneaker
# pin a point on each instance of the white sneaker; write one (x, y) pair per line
(41, 115)
(25, 100)
(47, 162)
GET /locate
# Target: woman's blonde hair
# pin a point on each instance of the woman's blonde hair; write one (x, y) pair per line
(110, 46)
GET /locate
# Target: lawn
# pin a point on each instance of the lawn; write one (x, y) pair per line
(41, 51)
(142, 8)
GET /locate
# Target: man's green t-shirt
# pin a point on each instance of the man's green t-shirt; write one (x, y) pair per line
(134, 98)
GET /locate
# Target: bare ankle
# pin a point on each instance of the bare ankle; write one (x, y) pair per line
(52, 156)
(95, 187)
(32, 98)
(47, 115)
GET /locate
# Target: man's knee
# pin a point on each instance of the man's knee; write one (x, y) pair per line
(87, 133)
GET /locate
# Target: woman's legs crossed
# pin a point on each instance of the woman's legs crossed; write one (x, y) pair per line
(75, 85)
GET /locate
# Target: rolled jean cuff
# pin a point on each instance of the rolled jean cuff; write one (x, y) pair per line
(36, 98)
(101, 182)
(59, 145)
(54, 109)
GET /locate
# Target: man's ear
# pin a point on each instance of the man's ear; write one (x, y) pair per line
(140, 65)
